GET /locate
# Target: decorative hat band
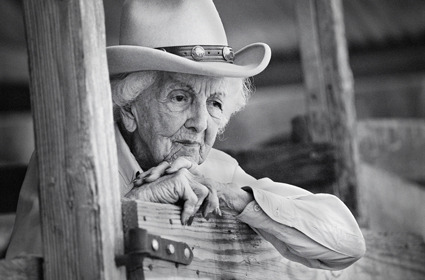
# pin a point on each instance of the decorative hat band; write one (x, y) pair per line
(203, 53)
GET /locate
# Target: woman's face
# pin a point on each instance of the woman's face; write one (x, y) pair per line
(180, 116)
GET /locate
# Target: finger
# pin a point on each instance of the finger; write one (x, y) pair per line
(190, 199)
(181, 163)
(178, 164)
(211, 205)
(213, 202)
(137, 182)
(140, 178)
(201, 192)
(155, 172)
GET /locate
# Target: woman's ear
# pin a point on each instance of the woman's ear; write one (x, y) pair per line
(128, 119)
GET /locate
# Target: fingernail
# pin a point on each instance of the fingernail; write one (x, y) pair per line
(190, 221)
(219, 212)
(137, 182)
(185, 218)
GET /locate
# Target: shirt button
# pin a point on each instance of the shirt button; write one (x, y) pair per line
(257, 208)
(276, 212)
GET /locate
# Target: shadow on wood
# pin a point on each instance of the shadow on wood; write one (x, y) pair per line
(310, 166)
(225, 248)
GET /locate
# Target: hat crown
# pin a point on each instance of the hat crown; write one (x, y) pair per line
(162, 23)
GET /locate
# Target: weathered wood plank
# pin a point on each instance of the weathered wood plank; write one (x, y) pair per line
(28, 268)
(390, 256)
(395, 145)
(393, 203)
(310, 166)
(329, 87)
(223, 247)
(72, 110)
(227, 249)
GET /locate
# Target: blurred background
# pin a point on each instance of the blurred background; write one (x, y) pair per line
(386, 42)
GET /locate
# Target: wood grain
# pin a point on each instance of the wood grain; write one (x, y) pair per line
(328, 79)
(309, 166)
(72, 110)
(390, 256)
(395, 145)
(225, 248)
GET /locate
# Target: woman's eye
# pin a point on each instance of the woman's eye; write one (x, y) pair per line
(179, 98)
(218, 105)
(215, 108)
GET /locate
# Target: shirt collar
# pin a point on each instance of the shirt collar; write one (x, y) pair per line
(127, 164)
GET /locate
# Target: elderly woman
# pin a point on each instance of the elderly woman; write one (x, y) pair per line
(175, 84)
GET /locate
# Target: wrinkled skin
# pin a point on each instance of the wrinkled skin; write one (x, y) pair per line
(170, 129)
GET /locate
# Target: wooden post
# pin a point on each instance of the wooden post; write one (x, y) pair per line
(75, 144)
(331, 113)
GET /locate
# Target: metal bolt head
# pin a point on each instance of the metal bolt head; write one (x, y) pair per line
(186, 253)
(170, 249)
(155, 245)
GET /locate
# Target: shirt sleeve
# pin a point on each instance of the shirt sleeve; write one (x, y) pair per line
(26, 236)
(317, 230)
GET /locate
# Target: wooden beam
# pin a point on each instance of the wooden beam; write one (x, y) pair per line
(225, 248)
(309, 166)
(75, 144)
(331, 115)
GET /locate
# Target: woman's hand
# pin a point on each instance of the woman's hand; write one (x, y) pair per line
(229, 195)
(167, 183)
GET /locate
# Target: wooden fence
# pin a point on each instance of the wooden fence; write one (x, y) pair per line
(80, 206)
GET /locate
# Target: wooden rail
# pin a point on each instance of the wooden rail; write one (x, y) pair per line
(227, 249)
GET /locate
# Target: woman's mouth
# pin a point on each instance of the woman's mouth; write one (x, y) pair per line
(188, 143)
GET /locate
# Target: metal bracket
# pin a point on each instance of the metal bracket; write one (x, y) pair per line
(142, 244)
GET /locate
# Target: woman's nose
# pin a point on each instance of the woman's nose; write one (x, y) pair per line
(198, 118)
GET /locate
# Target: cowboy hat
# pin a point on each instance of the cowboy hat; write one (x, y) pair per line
(185, 36)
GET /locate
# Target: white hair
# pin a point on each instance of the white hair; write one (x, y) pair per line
(125, 88)
(128, 86)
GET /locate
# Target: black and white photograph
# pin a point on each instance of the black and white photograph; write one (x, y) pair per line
(212, 139)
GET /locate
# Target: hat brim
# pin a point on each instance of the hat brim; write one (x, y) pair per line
(248, 61)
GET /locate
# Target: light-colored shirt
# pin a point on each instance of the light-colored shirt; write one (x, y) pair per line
(317, 230)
